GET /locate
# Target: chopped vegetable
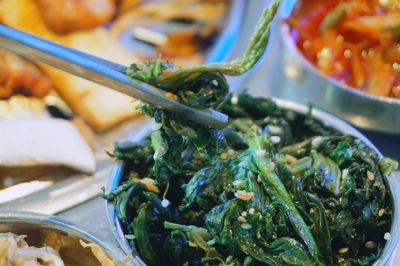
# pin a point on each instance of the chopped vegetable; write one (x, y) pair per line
(356, 43)
(273, 187)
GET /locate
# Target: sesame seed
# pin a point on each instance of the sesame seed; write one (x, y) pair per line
(237, 182)
(383, 2)
(325, 52)
(371, 53)
(316, 141)
(396, 67)
(343, 250)
(347, 53)
(246, 226)
(274, 130)
(381, 212)
(312, 210)
(231, 152)
(370, 244)
(244, 214)
(272, 166)
(192, 244)
(338, 66)
(165, 203)
(345, 172)
(242, 219)
(244, 195)
(364, 54)
(382, 187)
(340, 39)
(306, 44)
(214, 82)
(169, 95)
(387, 236)
(247, 196)
(370, 176)
(234, 100)
(275, 139)
(148, 184)
(260, 152)
(340, 260)
(396, 90)
(223, 156)
(251, 210)
(301, 150)
(290, 159)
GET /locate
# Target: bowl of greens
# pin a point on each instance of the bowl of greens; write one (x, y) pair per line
(280, 184)
(284, 183)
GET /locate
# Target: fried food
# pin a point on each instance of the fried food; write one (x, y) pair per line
(183, 46)
(64, 16)
(19, 76)
(100, 107)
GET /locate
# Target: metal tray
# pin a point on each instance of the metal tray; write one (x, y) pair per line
(51, 194)
(385, 259)
(306, 83)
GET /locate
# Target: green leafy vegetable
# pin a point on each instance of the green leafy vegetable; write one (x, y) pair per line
(273, 187)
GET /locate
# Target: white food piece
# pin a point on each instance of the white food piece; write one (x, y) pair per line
(15, 251)
(44, 141)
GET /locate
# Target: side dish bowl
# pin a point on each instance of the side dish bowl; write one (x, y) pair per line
(38, 227)
(307, 83)
(321, 116)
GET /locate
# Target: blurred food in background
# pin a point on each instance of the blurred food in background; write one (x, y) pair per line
(19, 76)
(354, 42)
(180, 30)
(71, 15)
(33, 97)
(183, 30)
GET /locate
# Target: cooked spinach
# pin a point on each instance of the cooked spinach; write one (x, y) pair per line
(274, 187)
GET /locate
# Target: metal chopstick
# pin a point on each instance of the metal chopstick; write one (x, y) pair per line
(100, 71)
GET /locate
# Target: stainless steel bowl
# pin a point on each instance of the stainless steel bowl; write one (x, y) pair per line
(306, 83)
(327, 119)
(38, 227)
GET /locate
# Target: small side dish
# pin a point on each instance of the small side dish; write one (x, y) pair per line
(15, 251)
(354, 42)
(273, 187)
(30, 239)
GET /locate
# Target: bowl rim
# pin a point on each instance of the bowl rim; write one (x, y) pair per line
(285, 12)
(324, 117)
(55, 223)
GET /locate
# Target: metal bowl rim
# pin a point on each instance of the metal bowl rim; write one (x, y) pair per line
(285, 12)
(322, 116)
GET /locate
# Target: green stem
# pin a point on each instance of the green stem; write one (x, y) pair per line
(252, 54)
(269, 177)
